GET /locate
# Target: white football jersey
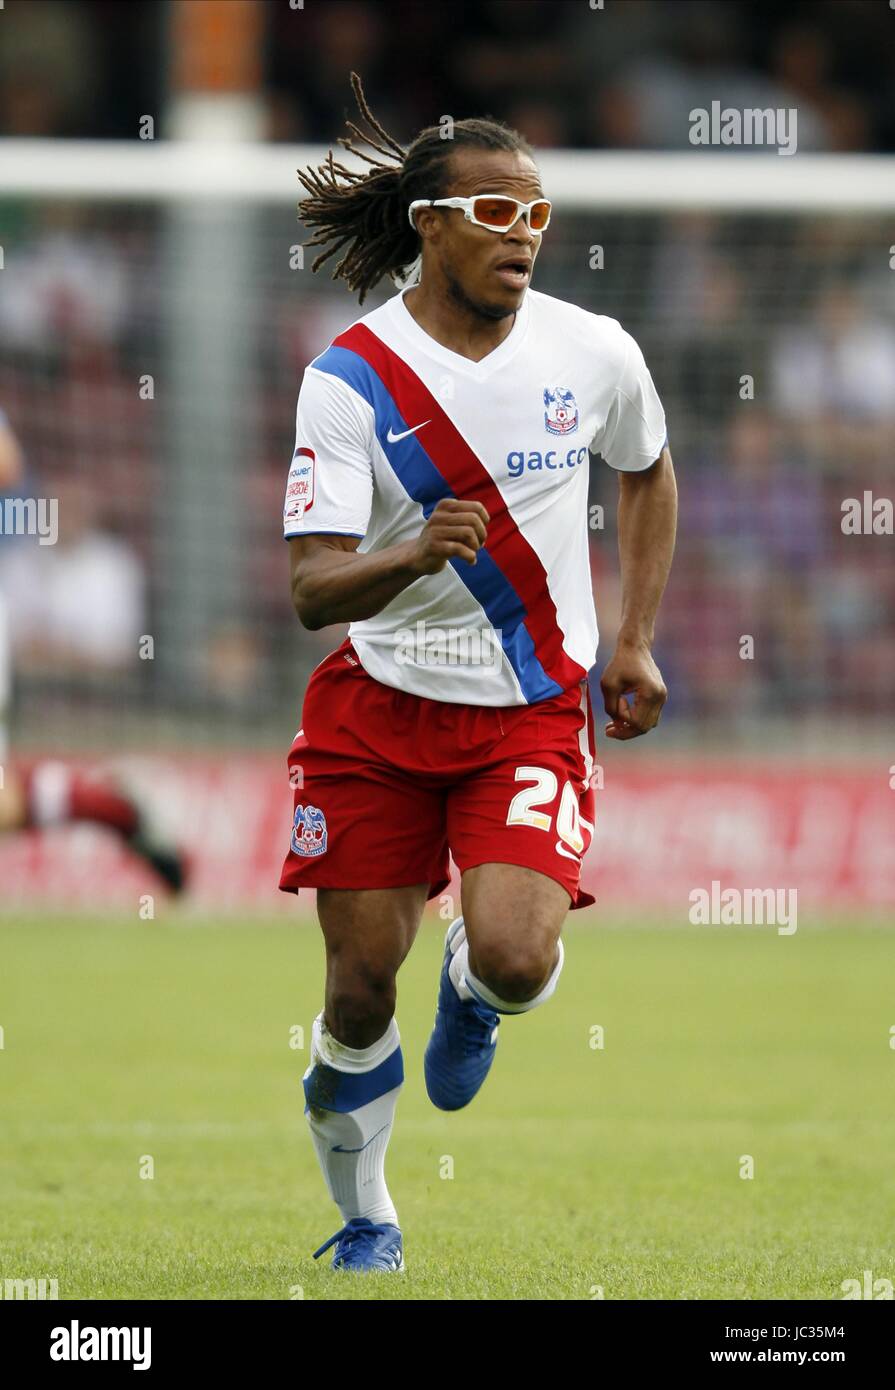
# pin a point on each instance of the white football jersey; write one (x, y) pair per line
(389, 422)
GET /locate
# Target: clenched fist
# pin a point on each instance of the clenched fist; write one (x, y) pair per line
(455, 528)
(632, 669)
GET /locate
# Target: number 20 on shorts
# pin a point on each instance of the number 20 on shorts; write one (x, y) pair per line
(526, 807)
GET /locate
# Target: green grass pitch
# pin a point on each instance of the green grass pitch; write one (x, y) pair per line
(577, 1171)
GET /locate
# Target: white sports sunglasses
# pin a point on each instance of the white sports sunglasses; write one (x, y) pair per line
(495, 211)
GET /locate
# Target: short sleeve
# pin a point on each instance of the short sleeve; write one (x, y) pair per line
(634, 432)
(330, 485)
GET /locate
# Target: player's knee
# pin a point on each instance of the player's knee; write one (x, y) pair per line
(360, 1005)
(512, 971)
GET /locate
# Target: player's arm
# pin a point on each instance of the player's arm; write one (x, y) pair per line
(11, 462)
(331, 583)
(647, 522)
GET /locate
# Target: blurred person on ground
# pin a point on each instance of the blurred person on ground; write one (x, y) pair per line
(63, 604)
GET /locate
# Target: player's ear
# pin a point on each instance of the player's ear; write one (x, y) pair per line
(427, 222)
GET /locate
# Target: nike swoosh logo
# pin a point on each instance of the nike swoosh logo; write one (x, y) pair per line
(337, 1148)
(393, 438)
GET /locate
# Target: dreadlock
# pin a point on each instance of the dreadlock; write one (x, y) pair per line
(365, 210)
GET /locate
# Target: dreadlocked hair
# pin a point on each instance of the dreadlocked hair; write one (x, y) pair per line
(364, 212)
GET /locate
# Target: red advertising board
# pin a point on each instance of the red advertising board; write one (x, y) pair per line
(663, 829)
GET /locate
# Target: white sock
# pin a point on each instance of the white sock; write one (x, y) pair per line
(351, 1096)
(468, 986)
(459, 961)
(477, 990)
(50, 794)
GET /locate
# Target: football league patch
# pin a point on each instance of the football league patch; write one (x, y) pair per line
(309, 832)
(299, 486)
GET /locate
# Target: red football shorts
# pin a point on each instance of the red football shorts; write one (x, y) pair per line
(389, 785)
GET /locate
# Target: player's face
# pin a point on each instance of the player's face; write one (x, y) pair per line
(488, 272)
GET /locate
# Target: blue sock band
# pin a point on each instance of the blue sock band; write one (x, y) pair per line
(326, 1088)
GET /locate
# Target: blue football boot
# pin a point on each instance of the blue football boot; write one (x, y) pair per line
(365, 1247)
(461, 1048)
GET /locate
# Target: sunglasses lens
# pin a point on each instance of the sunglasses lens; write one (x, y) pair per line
(495, 212)
(540, 216)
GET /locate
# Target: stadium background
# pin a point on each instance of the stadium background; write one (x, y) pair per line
(772, 772)
(173, 502)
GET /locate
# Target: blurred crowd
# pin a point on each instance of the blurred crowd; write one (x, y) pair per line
(565, 71)
(770, 338)
(625, 76)
(771, 341)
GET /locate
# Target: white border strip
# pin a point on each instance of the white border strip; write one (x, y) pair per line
(138, 172)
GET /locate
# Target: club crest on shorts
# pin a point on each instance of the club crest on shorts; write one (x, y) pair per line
(309, 832)
(561, 410)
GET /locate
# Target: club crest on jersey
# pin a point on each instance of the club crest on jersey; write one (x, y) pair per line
(300, 485)
(309, 832)
(560, 410)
